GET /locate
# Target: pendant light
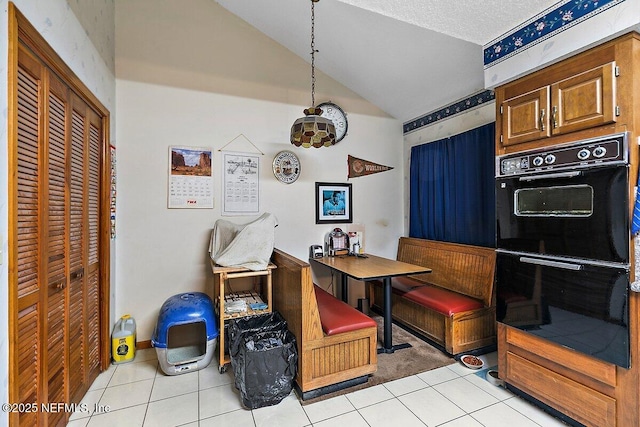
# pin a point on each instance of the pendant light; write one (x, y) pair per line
(313, 130)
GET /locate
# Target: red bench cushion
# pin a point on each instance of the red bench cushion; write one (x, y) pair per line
(400, 285)
(442, 300)
(338, 317)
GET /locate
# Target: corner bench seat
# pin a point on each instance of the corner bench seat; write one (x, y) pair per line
(338, 317)
(433, 297)
(454, 305)
(337, 345)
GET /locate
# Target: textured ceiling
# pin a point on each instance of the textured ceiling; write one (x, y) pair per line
(408, 57)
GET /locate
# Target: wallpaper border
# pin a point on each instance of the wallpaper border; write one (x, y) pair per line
(550, 22)
(450, 110)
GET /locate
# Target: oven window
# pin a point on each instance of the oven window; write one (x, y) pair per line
(564, 201)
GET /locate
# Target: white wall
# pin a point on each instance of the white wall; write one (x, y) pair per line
(59, 26)
(201, 77)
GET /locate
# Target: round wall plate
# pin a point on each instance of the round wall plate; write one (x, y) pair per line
(286, 166)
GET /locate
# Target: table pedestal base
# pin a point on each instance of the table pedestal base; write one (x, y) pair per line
(394, 348)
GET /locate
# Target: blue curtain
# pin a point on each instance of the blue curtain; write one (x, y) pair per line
(452, 194)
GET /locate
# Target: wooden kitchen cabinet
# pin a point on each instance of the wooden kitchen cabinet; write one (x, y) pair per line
(579, 102)
(596, 93)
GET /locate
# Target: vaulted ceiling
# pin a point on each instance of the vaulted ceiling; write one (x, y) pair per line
(408, 57)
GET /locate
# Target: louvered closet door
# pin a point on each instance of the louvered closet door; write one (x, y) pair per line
(58, 158)
(84, 262)
(29, 249)
(56, 223)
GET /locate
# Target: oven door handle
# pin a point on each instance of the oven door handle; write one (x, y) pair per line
(549, 263)
(571, 174)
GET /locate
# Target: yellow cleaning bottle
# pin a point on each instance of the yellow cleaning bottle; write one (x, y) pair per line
(123, 340)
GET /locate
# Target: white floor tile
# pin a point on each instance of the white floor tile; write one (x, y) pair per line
(461, 370)
(82, 422)
(102, 380)
(173, 411)
(437, 376)
(130, 417)
(351, 419)
(288, 413)
(328, 408)
(465, 395)
(166, 386)
(239, 418)
(138, 393)
(126, 395)
(131, 372)
(219, 400)
(501, 415)
(389, 413)
(466, 421)
(431, 407)
(369, 396)
(405, 385)
(145, 354)
(211, 377)
(88, 402)
(499, 393)
(533, 412)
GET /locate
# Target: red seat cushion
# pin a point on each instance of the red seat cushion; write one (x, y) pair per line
(401, 285)
(338, 317)
(442, 300)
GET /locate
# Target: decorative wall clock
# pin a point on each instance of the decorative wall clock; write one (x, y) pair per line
(286, 166)
(337, 115)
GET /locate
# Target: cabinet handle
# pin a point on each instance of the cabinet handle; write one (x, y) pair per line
(58, 286)
(542, 112)
(555, 117)
(77, 274)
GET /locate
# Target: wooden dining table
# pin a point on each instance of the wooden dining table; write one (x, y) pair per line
(367, 268)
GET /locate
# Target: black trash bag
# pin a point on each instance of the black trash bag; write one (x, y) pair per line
(264, 359)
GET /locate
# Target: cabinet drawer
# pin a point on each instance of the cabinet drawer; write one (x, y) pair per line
(579, 402)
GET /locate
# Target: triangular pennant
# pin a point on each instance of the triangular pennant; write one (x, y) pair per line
(360, 167)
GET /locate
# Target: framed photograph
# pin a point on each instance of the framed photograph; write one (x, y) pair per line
(333, 203)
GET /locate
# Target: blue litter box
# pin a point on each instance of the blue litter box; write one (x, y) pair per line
(186, 333)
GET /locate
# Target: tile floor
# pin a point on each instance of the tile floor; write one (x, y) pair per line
(138, 393)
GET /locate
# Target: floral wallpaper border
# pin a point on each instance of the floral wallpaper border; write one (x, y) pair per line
(552, 21)
(450, 110)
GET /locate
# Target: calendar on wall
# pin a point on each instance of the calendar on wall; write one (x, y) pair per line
(241, 184)
(190, 177)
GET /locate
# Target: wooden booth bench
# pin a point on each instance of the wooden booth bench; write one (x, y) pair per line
(337, 344)
(454, 305)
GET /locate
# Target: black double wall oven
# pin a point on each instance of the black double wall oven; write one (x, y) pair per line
(562, 267)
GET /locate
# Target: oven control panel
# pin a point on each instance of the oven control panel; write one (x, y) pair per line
(585, 153)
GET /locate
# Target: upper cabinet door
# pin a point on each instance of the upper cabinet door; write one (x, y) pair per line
(584, 101)
(526, 117)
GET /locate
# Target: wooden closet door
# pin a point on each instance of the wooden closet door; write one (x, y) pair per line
(29, 281)
(55, 220)
(84, 265)
(58, 187)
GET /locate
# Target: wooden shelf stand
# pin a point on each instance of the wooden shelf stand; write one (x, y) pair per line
(221, 286)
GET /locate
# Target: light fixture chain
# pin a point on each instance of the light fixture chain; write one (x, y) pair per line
(313, 55)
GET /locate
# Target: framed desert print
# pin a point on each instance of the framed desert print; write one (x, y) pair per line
(333, 203)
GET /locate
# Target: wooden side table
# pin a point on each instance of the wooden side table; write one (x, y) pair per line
(221, 278)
